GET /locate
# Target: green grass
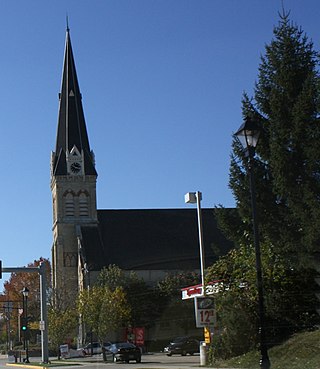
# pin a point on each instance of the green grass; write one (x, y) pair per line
(302, 351)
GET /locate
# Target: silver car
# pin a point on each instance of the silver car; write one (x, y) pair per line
(95, 348)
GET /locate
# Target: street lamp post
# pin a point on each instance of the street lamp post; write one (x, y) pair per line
(192, 198)
(248, 135)
(25, 294)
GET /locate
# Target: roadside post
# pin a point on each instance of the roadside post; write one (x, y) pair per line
(195, 198)
(205, 318)
(205, 314)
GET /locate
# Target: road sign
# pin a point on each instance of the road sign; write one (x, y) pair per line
(42, 325)
(204, 312)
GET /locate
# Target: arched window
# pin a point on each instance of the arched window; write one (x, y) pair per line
(83, 205)
(69, 205)
(70, 259)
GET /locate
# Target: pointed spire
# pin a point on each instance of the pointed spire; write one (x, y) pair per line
(72, 130)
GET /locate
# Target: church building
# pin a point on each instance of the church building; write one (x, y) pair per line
(152, 242)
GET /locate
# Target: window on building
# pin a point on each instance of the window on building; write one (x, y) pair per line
(70, 259)
(83, 205)
(69, 205)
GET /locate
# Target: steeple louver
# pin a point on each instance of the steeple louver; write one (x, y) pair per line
(72, 130)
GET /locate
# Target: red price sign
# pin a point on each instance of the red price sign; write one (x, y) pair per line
(204, 311)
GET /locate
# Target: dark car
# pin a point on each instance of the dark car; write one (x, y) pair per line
(125, 351)
(182, 346)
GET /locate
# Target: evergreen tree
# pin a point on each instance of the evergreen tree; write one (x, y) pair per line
(286, 106)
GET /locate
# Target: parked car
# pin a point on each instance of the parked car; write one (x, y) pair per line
(96, 348)
(125, 351)
(182, 346)
(75, 353)
(67, 353)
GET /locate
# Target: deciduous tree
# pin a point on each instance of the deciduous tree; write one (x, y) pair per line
(14, 286)
(289, 299)
(103, 310)
(174, 309)
(142, 299)
(62, 324)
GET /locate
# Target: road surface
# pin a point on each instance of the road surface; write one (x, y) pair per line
(156, 360)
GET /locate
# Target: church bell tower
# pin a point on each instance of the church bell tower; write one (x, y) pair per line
(73, 181)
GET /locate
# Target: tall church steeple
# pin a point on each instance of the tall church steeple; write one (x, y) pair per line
(73, 182)
(72, 137)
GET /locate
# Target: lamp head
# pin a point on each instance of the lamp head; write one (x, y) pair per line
(190, 198)
(248, 134)
(25, 292)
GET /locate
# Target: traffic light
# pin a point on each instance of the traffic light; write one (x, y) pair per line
(24, 324)
(0, 269)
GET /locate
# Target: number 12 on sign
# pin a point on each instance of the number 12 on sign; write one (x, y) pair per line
(206, 316)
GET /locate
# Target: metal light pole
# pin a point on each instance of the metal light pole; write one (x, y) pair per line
(248, 135)
(25, 294)
(44, 314)
(192, 198)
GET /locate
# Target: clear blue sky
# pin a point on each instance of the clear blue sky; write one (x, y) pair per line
(161, 81)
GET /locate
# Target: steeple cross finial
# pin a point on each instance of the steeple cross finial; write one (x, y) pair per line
(67, 19)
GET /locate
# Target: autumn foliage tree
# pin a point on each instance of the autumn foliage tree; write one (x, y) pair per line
(14, 286)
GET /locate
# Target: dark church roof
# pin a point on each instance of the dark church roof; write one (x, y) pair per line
(71, 122)
(152, 239)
